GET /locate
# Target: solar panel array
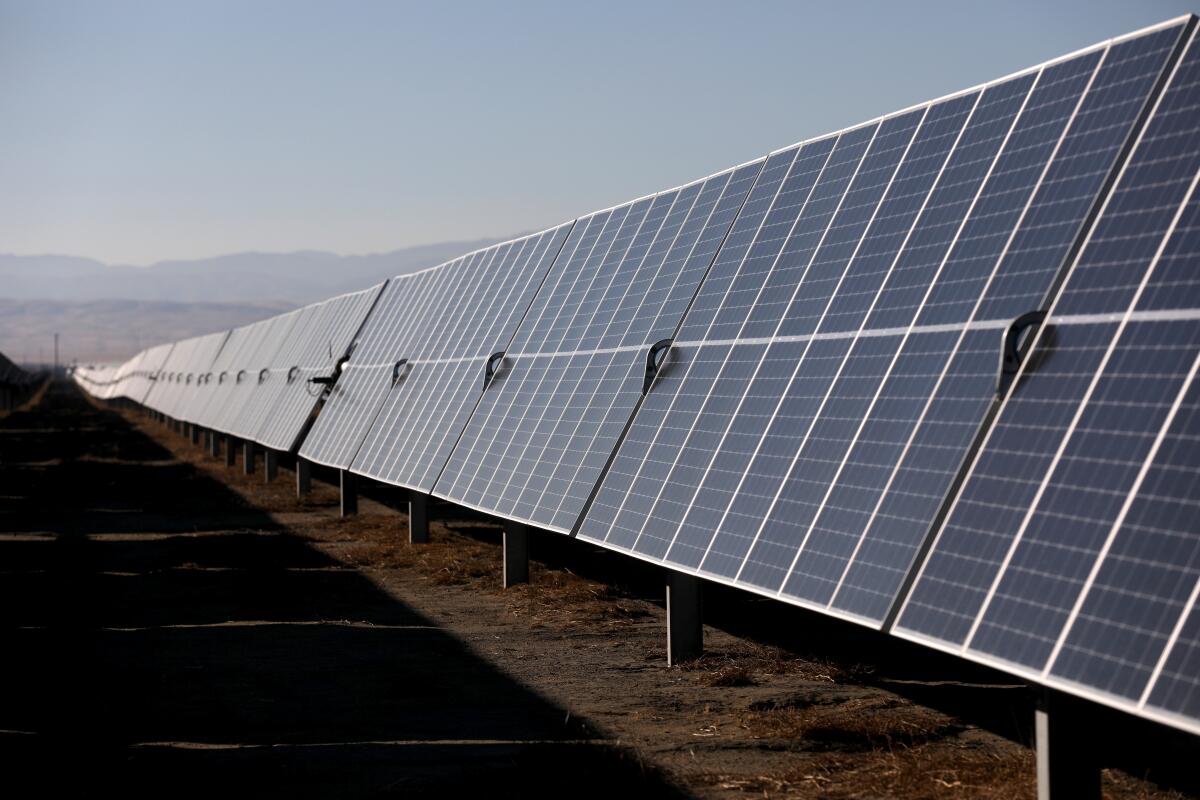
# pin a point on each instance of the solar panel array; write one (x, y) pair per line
(12, 375)
(788, 376)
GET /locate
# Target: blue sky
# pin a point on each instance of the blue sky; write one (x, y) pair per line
(138, 131)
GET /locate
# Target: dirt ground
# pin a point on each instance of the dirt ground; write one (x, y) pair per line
(169, 625)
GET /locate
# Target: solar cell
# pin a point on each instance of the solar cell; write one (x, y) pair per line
(1071, 553)
(832, 375)
(547, 425)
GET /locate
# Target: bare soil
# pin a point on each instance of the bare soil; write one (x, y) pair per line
(170, 625)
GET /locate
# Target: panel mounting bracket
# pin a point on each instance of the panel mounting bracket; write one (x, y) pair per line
(329, 380)
(399, 370)
(494, 362)
(1010, 348)
(655, 357)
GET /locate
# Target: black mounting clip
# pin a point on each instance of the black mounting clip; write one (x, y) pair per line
(292, 373)
(263, 374)
(241, 374)
(221, 378)
(490, 369)
(399, 370)
(190, 375)
(655, 357)
(1010, 350)
(329, 380)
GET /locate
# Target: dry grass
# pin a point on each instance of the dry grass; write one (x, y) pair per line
(924, 772)
(565, 598)
(826, 721)
(748, 662)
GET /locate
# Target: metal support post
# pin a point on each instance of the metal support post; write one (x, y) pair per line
(270, 465)
(349, 487)
(248, 455)
(214, 444)
(685, 619)
(230, 451)
(1067, 763)
(195, 431)
(516, 553)
(418, 518)
(303, 477)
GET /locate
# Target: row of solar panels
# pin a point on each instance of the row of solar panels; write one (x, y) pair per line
(13, 376)
(934, 374)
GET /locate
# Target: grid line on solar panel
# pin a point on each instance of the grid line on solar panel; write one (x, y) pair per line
(699, 520)
(1073, 596)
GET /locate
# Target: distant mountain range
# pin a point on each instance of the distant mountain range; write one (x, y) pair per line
(107, 313)
(295, 278)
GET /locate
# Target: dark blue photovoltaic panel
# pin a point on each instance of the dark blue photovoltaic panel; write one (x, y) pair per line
(1072, 550)
(354, 400)
(540, 438)
(824, 391)
(425, 411)
(960, 571)
(1175, 690)
(398, 424)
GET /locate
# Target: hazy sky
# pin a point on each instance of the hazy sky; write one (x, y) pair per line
(139, 131)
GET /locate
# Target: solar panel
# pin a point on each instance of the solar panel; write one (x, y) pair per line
(427, 404)
(833, 374)
(439, 322)
(188, 362)
(320, 338)
(543, 431)
(1071, 553)
(149, 368)
(233, 407)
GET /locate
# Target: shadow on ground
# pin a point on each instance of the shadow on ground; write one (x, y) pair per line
(158, 634)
